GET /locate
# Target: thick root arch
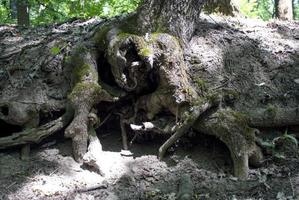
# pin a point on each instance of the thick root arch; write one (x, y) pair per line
(232, 129)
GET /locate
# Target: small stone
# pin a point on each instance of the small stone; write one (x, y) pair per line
(126, 153)
(233, 178)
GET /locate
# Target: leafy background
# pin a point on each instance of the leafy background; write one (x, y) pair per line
(51, 11)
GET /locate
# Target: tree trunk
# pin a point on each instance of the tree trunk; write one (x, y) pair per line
(225, 83)
(23, 12)
(284, 9)
(13, 8)
(175, 17)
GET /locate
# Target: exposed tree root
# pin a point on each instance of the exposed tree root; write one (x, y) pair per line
(85, 94)
(274, 116)
(35, 135)
(176, 94)
(152, 70)
(232, 129)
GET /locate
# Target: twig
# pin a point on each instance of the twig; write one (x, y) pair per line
(54, 171)
(11, 185)
(222, 85)
(292, 187)
(106, 118)
(91, 188)
(10, 78)
(228, 29)
(217, 22)
(30, 102)
(134, 138)
(124, 133)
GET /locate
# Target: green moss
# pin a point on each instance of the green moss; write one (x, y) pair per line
(238, 122)
(177, 41)
(155, 35)
(67, 60)
(240, 118)
(122, 35)
(230, 94)
(82, 68)
(212, 97)
(198, 101)
(83, 71)
(145, 52)
(271, 111)
(242, 121)
(142, 47)
(100, 36)
(201, 84)
(234, 117)
(81, 89)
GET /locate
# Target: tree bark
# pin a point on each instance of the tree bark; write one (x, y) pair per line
(175, 17)
(13, 8)
(284, 9)
(23, 13)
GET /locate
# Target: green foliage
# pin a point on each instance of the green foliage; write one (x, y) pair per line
(262, 9)
(291, 138)
(55, 50)
(225, 7)
(52, 11)
(296, 9)
(5, 13)
(272, 145)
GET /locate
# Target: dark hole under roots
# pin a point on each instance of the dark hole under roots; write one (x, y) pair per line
(207, 151)
(4, 110)
(104, 70)
(8, 129)
(48, 117)
(105, 74)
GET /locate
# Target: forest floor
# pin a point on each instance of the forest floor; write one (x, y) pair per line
(51, 173)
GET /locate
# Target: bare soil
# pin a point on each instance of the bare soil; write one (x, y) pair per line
(51, 173)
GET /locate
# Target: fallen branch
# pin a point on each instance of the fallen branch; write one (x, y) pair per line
(181, 129)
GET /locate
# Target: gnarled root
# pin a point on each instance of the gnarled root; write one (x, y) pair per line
(85, 94)
(232, 129)
(82, 98)
(35, 135)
